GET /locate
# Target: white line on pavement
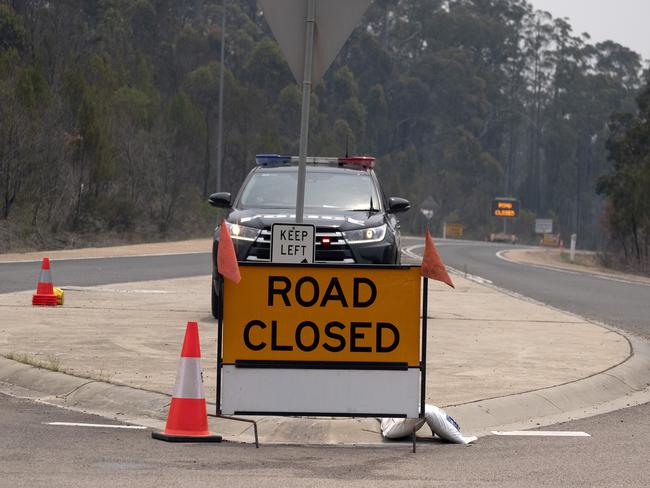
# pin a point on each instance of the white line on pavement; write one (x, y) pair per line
(541, 433)
(409, 251)
(106, 289)
(110, 426)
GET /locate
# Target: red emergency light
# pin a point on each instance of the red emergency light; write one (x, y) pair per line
(366, 162)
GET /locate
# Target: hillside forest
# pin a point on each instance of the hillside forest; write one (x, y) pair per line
(108, 117)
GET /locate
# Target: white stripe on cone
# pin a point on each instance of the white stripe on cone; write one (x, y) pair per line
(188, 379)
(45, 276)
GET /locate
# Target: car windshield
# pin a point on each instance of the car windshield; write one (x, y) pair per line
(335, 190)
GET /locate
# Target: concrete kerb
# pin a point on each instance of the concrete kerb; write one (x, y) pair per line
(623, 385)
(117, 402)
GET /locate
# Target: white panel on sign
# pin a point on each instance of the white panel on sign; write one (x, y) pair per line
(321, 391)
(335, 20)
(543, 226)
(292, 243)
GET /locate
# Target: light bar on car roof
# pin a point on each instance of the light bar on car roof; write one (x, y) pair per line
(365, 162)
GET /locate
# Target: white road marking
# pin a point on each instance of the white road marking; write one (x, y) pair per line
(112, 290)
(541, 433)
(409, 251)
(110, 426)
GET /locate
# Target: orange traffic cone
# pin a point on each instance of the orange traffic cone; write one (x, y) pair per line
(187, 420)
(44, 290)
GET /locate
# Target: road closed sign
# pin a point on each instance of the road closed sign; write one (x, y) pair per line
(292, 243)
(343, 340)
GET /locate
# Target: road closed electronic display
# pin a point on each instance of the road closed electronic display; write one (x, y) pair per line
(322, 340)
(505, 207)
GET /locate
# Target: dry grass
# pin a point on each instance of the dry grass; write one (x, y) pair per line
(51, 362)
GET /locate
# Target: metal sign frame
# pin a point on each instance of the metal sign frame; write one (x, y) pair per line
(314, 365)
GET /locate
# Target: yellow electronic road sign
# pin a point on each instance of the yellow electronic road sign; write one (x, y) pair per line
(505, 207)
(322, 314)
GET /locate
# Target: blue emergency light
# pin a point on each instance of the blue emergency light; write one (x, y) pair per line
(271, 159)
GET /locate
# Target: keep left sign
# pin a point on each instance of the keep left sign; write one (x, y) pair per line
(293, 243)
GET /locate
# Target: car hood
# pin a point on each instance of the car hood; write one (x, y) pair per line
(339, 220)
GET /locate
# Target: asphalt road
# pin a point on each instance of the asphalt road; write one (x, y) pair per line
(36, 454)
(101, 271)
(622, 304)
(626, 305)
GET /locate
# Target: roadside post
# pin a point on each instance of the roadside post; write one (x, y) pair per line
(572, 252)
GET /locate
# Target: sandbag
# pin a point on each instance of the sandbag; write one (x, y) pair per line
(396, 428)
(444, 426)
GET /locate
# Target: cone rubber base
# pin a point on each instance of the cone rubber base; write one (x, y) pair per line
(161, 436)
(47, 300)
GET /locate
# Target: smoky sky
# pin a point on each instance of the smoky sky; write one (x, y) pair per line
(622, 21)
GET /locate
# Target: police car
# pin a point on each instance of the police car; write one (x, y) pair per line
(355, 222)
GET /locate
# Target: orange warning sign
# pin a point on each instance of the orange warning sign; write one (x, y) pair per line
(329, 313)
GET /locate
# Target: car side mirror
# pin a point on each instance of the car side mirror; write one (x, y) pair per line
(396, 205)
(220, 199)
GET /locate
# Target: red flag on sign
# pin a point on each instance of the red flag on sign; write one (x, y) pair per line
(432, 265)
(226, 256)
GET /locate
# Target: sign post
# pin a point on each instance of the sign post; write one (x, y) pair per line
(304, 114)
(428, 209)
(310, 51)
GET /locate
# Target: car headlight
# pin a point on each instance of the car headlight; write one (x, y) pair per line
(242, 232)
(371, 234)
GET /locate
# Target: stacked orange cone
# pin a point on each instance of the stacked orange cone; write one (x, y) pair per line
(187, 420)
(45, 290)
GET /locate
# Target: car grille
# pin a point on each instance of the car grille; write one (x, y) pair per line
(337, 251)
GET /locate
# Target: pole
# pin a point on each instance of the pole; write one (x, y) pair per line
(304, 116)
(221, 68)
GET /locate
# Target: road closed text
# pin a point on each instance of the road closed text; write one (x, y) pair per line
(334, 336)
(323, 314)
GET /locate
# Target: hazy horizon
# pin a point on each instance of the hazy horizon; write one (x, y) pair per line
(622, 21)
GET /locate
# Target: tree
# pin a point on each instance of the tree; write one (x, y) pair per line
(626, 188)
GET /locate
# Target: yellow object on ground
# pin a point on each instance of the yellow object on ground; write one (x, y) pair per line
(59, 296)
